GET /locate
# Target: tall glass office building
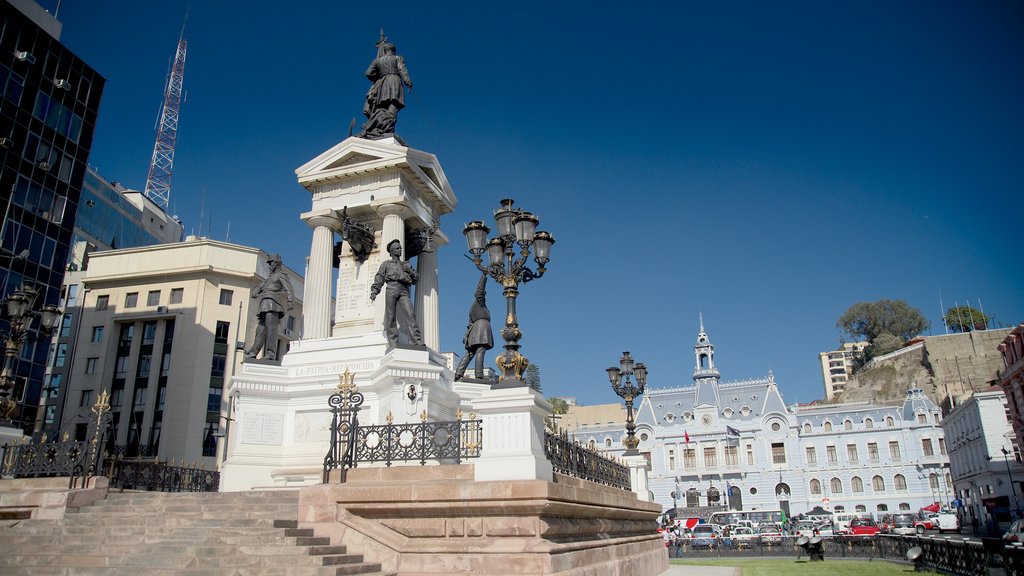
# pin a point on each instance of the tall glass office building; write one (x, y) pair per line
(49, 100)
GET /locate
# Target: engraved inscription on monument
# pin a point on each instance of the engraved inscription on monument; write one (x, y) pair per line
(263, 428)
(353, 294)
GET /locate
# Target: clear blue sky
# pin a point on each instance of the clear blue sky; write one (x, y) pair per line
(766, 163)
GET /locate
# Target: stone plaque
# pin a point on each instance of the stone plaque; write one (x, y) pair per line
(263, 428)
(352, 298)
(312, 426)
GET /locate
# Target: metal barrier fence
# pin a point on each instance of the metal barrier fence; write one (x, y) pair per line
(946, 554)
(573, 459)
(156, 476)
(29, 460)
(352, 443)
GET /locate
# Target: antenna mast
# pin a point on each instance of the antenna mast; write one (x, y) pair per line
(158, 184)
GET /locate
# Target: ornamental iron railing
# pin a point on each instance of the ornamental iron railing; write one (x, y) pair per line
(352, 443)
(156, 476)
(946, 554)
(78, 460)
(573, 459)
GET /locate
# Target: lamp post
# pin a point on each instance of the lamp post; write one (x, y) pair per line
(620, 377)
(514, 226)
(19, 313)
(1013, 489)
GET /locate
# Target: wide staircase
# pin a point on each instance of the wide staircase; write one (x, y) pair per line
(156, 533)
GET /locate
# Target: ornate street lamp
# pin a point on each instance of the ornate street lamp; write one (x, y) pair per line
(19, 314)
(620, 377)
(514, 226)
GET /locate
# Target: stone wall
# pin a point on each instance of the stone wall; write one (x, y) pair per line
(433, 520)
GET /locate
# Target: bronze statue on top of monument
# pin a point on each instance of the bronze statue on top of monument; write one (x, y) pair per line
(387, 94)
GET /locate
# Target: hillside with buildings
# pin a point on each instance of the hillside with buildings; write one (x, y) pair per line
(948, 368)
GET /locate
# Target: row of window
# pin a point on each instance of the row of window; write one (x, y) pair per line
(899, 482)
(131, 299)
(922, 418)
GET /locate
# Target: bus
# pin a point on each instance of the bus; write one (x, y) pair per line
(752, 518)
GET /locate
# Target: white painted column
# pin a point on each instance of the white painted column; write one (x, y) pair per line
(638, 468)
(394, 226)
(427, 296)
(316, 297)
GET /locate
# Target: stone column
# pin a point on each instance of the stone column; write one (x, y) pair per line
(394, 226)
(513, 439)
(638, 468)
(427, 294)
(316, 297)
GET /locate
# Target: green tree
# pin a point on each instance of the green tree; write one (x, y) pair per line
(558, 405)
(869, 320)
(966, 318)
(532, 377)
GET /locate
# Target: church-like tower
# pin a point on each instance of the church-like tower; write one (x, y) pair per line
(705, 375)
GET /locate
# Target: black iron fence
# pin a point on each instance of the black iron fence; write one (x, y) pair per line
(156, 476)
(352, 443)
(79, 460)
(53, 459)
(573, 459)
(946, 554)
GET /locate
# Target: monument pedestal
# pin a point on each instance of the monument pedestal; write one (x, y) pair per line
(439, 520)
(513, 441)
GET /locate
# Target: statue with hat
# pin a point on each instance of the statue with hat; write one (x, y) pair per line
(399, 277)
(386, 95)
(274, 297)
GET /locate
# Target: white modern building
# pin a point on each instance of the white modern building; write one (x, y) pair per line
(737, 445)
(985, 458)
(161, 329)
(837, 366)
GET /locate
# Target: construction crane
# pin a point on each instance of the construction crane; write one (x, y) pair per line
(158, 184)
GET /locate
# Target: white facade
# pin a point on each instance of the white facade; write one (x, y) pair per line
(740, 441)
(159, 331)
(985, 458)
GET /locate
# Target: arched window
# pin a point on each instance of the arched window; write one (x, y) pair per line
(816, 487)
(807, 428)
(889, 421)
(857, 485)
(838, 509)
(836, 485)
(904, 506)
(882, 508)
(900, 482)
(933, 481)
(592, 445)
(869, 423)
(848, 425)
(828, 426)
(692, 498)
(607, 442)
(878, 484)
(860, 508)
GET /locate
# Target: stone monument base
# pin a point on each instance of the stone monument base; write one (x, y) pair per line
(434, 520)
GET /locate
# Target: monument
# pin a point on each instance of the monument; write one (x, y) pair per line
(505, 511)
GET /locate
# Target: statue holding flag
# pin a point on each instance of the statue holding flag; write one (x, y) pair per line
(387, 94)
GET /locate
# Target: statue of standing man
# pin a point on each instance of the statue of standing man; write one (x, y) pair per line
(274, 297)
(399, 277)
(387, 95)
(478, 338)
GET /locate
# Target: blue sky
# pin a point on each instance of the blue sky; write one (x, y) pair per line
(767, 164)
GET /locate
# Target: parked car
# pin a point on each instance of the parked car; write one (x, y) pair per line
(826, 530)
(948, 522)
(902, 524)
(805, 529)
(1015, 533)
(863, 527)
(769, 534)
(704, 536)
(743, 537)
(925, 521)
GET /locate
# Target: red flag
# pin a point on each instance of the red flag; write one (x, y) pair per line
(686, 436)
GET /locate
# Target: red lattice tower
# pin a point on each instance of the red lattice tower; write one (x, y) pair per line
(158, 184)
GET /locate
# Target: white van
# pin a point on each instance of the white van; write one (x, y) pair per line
(841, 521)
